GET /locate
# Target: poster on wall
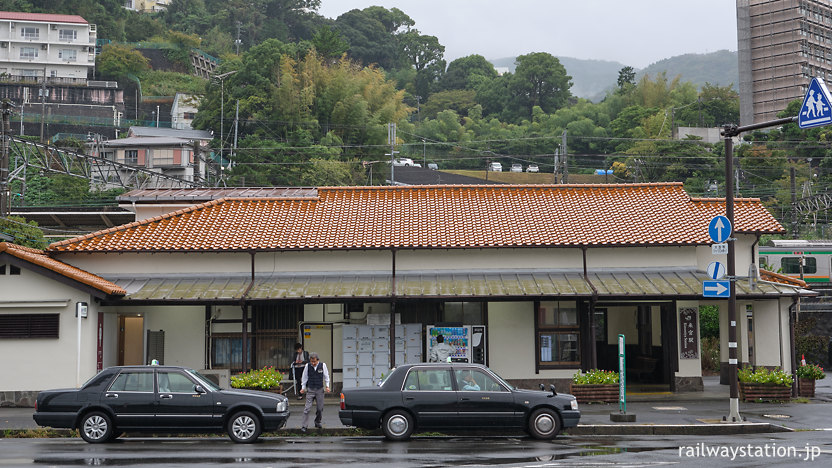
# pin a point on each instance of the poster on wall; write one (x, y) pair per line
(689, 342)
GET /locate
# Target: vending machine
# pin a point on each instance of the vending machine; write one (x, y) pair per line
(468, 341)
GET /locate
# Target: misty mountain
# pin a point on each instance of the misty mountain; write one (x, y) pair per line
(592, 78)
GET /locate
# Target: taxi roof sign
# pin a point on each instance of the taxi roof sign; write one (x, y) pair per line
(817, 106)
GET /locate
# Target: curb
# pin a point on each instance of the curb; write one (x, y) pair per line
(580, 430)
(676, 429)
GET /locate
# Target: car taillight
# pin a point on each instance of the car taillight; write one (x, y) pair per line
(342, 402)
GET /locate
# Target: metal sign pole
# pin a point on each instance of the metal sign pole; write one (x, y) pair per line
(622, 376)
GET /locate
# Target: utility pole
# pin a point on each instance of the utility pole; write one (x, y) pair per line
(236, 125)
(238, 41)
(794, 229)
(42, 104)
(5, 190)
(555, 164)
(565, 159)
(728, 132)
(391, 138)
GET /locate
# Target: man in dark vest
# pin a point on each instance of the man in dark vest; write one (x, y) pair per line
(314, 383)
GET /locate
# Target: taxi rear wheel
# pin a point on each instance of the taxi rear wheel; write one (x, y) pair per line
(397, 425)
(96, 428)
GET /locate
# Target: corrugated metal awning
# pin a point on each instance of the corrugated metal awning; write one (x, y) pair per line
(610, 284)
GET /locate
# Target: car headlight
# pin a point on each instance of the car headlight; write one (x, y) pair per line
(282, 406)
(574, 404)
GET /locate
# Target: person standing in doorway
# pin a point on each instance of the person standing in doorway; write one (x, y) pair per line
(441, 351)
(301, 358)
(314, 383)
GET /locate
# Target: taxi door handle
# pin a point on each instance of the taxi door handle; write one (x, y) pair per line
(166, 397)
(408, 398)
(111, 395)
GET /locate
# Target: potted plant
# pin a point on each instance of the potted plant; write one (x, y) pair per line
(762, 384)
(595, 386)
(267, 378)
(806, 376)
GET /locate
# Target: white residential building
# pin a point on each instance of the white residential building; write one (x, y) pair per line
(58, 46)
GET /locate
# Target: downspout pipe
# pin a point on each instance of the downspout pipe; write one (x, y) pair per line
(393, 310)
(793, 358)
(244, 307)
(593, 352)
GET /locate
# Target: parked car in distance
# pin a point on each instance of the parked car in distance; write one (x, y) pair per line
(455, 396)
(532, 168)
(159, 399)
(403, 162)
(516, 168)
(495, 167)
(433, 166)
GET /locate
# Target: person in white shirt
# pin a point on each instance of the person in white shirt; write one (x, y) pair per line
(314, 383)
(441, 351)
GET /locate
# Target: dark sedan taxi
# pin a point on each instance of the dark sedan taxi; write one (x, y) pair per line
(455, 396)
(159, 399)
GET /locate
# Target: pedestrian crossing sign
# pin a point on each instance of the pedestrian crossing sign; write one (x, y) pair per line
(817, 106)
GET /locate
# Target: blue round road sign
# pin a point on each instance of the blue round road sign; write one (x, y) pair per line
(719, 229)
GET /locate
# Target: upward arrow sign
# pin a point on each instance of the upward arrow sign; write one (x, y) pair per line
(719, 229)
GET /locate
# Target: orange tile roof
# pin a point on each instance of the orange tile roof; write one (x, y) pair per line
(773, 277)
(38, 257)
(435, 216)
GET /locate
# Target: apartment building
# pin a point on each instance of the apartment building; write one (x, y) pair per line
(61, 47)
(147, 6)
(782, 45)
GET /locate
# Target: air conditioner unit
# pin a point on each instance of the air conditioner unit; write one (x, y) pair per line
(4, 44)
(54, 27)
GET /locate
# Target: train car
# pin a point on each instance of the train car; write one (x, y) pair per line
(809, 260)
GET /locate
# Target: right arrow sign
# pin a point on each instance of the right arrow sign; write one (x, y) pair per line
(716, 288)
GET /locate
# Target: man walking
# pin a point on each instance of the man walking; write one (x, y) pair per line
(314, 383)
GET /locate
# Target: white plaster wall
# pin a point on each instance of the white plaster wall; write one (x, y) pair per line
(785, 343)
(689, 367)
(488, 259)
(159, 263)
(511, 342)
(767, 331)
(40, 364)
(184, 328)
(640, 257)
(742, 253)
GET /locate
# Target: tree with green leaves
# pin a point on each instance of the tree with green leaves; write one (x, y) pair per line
(461, 72)
(117, 61)
(24, 233)
(539, 80)
(626, 77)
(329, 43)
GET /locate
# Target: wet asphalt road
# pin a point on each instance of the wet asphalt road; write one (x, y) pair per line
(312, 451)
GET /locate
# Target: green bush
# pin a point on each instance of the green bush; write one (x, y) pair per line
(595, 377)
(710, 354)
(810, 371)
(265, 378)
(764, 376)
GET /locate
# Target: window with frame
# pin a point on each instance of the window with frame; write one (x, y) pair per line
(791, 265)
(28, 52)
(29, 326)
(558, 334)
(29, 32)
(67, 35)
(11, 270)
(163, 157)
(131, 157)
(428, 380)
(133, 381)
(69, 55)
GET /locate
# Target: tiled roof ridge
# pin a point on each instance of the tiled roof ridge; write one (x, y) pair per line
(137, 223)
(722, 200)
(39, 257)
(8, 246)
(500, 186)
(773, 277)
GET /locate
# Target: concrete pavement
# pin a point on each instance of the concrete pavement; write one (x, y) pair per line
(698, 413)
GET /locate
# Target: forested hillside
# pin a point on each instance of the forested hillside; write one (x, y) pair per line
(316, 96)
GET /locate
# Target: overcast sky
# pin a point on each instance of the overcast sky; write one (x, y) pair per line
(633, 32)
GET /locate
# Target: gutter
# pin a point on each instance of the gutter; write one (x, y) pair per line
(244, 308)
